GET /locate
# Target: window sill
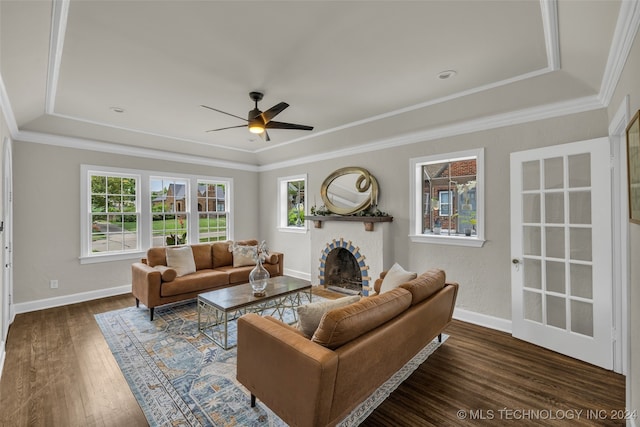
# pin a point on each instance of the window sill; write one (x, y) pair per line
(473, 242)
(300, 230)
(93, 259)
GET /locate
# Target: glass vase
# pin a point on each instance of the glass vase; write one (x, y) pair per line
(258, 279)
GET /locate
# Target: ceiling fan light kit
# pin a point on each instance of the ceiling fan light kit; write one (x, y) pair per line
(258, 122)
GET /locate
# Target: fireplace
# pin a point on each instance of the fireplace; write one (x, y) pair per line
(342, 271)
(350, 257)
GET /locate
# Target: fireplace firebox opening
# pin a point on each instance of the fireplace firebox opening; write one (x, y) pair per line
(342, 271)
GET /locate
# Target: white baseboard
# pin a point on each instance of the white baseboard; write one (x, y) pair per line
(3, 355)
(298, 274)
(487, 321)
(42, 304)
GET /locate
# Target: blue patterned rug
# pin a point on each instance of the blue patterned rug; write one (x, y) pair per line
(180, 378)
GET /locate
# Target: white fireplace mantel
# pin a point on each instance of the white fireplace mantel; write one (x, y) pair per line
(375, 246)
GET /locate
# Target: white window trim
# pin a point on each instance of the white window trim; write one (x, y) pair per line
(282, 204)
(144, 228)
(415, 200)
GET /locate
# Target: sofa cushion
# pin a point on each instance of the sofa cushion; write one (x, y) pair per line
(181, 259)
(237, 274)
(395, 277)
(341, 325)
(425, 285)
(309, 315)
(221, 255)
(202, 255)
(156, 256)
(167, 273)
(199, 281)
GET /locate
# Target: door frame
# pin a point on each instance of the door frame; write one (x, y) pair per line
(7, 239)
(620, 234)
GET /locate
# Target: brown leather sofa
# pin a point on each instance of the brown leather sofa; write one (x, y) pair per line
(356, 348)
(214, 270)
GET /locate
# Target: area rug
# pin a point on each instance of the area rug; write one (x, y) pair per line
(180, 378)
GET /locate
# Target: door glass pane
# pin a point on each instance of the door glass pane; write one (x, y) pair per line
(580, 170)
(555, 277)
(580, 243)
(556, 312)
(532, 306)
(580, 207)
(531, 175)
(581, 280)
(555, 241)
(531, 240)
(532, 273)
(554, 208)
(531, 208)
(553, 173)
(582, 318)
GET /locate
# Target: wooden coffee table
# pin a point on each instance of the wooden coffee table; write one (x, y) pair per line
(217, 308)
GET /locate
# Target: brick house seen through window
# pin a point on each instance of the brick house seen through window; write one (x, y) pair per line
(449, 197)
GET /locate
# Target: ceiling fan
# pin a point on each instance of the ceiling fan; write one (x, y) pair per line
(258, 121)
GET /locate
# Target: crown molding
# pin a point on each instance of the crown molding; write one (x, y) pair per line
(533, 114)
(7, 111)
(549, 9)
(59, 14)
(106, 147)
(623, 37)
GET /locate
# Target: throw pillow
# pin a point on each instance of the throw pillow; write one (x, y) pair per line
(309, 315)
(181, 260)
(395, 277)
(244, 255)
(167, 273)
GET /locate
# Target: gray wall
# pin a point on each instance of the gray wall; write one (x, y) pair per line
(47, 218)
(483, 273)
(629, 84)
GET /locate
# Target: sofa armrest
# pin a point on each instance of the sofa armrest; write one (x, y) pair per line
(291, 375)
(145, 283)
(279, 262)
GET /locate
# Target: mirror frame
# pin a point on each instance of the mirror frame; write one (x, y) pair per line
(364, 182)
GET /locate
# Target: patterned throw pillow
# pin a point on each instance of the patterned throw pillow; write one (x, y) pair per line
(244, 255)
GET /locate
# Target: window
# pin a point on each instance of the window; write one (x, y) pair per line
(129, 211)
(212, 211)
(292, 203)
(114, 212)
(169, 201)
(447, 198)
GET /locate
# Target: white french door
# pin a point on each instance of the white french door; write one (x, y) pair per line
(561, 249)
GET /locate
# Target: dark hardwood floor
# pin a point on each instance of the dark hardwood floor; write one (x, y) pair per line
(59, 372)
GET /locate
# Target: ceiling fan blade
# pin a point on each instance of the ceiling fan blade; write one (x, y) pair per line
(264, 135)
(229, 127)
(273, 111)
(282, 125)
(224, 112)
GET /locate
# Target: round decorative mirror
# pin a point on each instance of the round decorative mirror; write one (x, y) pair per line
(349, 190)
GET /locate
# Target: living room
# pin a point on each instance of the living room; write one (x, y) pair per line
(49, 146)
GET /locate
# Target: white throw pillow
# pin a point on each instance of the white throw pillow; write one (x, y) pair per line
(244, 255)
(181, 260)
(309, 315)
(395, 277)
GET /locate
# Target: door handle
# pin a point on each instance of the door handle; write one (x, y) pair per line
(516, 262)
